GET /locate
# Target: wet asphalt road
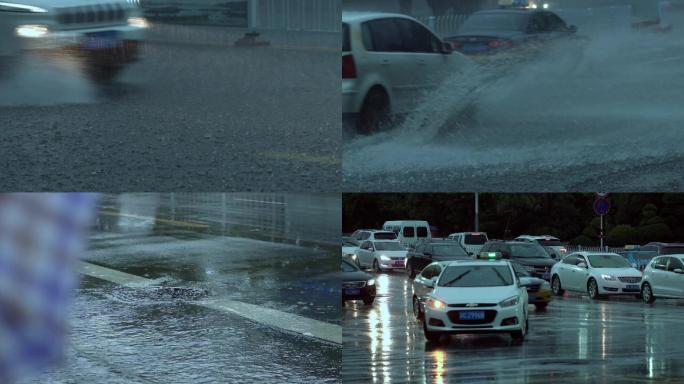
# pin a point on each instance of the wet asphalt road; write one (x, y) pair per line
(123, 335)
(605, 115)
(573, 340)
(194, 114)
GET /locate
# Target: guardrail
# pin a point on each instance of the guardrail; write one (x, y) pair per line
(285, 15)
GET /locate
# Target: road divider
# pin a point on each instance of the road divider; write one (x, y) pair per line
(269, 317)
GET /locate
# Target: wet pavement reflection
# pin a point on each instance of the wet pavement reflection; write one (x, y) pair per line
(616, 340)
(147, 335)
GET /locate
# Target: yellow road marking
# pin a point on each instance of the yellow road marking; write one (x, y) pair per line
(156, 219)
(302, 157)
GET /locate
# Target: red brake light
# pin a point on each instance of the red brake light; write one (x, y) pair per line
(348, 67)
(499, 43)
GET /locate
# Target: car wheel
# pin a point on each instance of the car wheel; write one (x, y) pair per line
(541, 306)
(556, 286)
(417, 311)
(374, 112)
(430, 336)
(647, 293)
(376, 266)
(593, 290)
(368, 300)
(520, 335)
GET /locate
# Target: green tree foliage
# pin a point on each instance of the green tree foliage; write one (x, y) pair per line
(620, 235)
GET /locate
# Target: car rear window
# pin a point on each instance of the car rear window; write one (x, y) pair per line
(422, 232)
(478, 239)
(408, 232)
(528, 250)
(346, 39)
(671, 250)
(385, 235)
(495, 22)
(549, 243)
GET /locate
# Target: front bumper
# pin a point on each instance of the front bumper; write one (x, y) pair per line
(501, 320)
(618, 288)
(392, 264)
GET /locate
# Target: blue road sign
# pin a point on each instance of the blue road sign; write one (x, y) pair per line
(601, 206)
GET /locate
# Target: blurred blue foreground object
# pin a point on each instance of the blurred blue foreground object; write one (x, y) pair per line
(41, 238)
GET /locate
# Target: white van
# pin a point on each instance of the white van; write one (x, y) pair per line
(409, 232)
(472, 242)
(106, 32)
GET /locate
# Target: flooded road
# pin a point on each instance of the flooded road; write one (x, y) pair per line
(154, 335)
(605, 115)
(573, 340)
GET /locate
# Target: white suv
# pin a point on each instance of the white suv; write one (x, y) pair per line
(388, 62)
(663, 277)
(105, 32)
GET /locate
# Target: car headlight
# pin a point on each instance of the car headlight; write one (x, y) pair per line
(139, 22)
(436, 304)
(384, 258)
(608, 277)
(23, 8)
(371, 282)
(513, 300)
(31, 31)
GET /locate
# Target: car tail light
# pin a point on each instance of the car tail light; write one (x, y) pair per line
(563, 250)
(348, 67)
(456, 43)
(499, 43)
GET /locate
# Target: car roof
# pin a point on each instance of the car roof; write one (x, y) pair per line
(360, 16)
(677, 255)
(592, 253)
(509, 10)
(474, 262)
(665, 244)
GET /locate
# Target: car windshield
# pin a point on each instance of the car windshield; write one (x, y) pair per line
(608, 261)
(671, 250)
(478, 239)
(388, 246)
(476, 276)
(495, 22)
(528, 250)
(348, 267)
(448, 250)
(385, 235)
(549, 242)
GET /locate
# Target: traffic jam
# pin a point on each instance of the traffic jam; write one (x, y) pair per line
(421, 306)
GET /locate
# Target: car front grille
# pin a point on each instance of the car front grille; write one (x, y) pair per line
(112, 13)
(397, 258)
(465, 305)
(490, 315)
(629, 279)
(353, 284)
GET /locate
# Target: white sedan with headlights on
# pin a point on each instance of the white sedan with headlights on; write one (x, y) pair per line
(381, 255)
(595, 273)
(480, 296)
(106, 33)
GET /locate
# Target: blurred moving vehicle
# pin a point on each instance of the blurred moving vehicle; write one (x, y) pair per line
(532, 256)
(371, 234)
(595, 273)
(478, 296)
(551, 243)
(381, 255)
(106, 33)
(349, 251)
(356, 284)
(538, 291)
(472, 242)
(388, 62)
(663, 277)
(496, 31)
(430, 251)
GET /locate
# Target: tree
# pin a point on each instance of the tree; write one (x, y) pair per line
(621, 235)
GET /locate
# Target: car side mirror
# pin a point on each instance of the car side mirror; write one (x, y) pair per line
(447, 48)
(678, 270)
(572, 29)
(582, 265)
(432, 282)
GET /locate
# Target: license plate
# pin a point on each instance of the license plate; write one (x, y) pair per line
(632, 286)
(545, 276)
(103, 40)
(352, 291)
(398, 264)
(471, 315)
